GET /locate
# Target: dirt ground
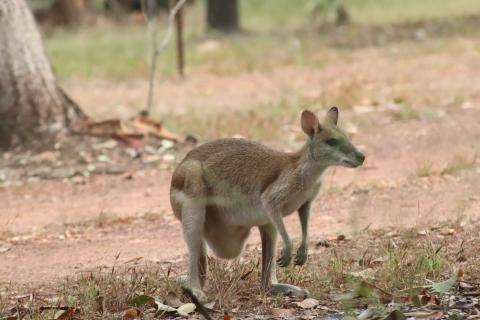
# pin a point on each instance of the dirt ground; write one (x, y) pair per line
(421, 169)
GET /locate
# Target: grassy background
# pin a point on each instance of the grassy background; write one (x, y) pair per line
(286, 13)
(284, 32)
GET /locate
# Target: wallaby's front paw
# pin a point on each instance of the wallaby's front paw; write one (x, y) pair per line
(285, 257)
(301, 256)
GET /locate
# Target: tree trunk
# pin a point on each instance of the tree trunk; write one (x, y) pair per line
(64, 12)
(71, 12)
(31, 103)
(222, 15)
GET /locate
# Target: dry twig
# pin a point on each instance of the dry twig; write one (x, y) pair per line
(157, 49)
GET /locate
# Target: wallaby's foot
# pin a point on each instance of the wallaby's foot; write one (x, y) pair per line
(182, 280)
(289, 290)
(301, 256)
(201, 296)
(285, 257)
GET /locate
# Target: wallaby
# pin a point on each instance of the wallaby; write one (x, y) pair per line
(223, 188)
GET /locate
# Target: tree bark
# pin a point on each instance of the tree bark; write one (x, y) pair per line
(65, 12)
(71, 12)
(222, 15)
(31, 103)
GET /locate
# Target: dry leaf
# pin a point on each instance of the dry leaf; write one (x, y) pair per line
(308, 303)
(186, 309)
(425, 314)
(5, 248)
(131, 313)
(365, 314)
(367, 274)
(376, 261)
(148, 126)
(282, 313)
(422, 233)
(66, 314)
(447, 231)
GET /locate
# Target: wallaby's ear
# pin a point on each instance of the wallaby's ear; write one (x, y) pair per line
(332, 115)
(310, 124)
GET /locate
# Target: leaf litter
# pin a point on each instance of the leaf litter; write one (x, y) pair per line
(111, 146)
(435, 294)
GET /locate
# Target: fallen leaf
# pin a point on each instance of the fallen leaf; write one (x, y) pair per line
(4, 248)
(186, 309)
(65, 314)
(363, 109)
(147, 125)
(446, 285)
(46, 156)
(447, 231)
(367, 274)
(131, 313)
(376, 261)
(226, 316)
(425, 314)
(163, 308)
(109, 144)
(132, 140)
(422, 233)
(391, 234)
(366, 314)
(308, 303)
(209, 305)
(282, 313)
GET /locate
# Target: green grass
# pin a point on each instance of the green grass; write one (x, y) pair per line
(107, 52)
(277, 34)
(393, 11)
(286, 13)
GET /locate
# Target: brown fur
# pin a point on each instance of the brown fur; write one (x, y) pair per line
(225, 187)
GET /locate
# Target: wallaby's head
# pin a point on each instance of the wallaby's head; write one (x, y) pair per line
(327, 143)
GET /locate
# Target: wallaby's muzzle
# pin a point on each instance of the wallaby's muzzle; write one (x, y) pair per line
(360, 157)
(355, 160)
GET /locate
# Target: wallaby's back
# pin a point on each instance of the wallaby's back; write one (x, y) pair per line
(244, 164)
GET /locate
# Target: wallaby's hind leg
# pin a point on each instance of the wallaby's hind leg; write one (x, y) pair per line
(268, 233)
(202, 268)
(203, 264)
(193, 220)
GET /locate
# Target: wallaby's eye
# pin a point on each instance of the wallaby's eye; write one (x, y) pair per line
(332, 142)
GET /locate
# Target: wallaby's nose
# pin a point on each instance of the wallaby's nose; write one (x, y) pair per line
(360, 157)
